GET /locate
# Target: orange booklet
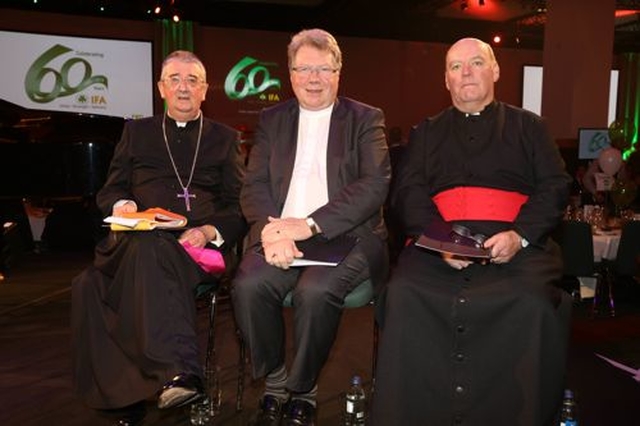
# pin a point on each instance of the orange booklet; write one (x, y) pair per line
(147, 220)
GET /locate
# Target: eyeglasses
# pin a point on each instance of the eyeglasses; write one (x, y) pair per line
(174, 81)
(323, 71)
(463, 231)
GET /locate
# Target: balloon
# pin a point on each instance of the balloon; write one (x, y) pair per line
(610, 160)
(623, 192)
(617, 135)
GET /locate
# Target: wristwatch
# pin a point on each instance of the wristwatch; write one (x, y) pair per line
(312, 226)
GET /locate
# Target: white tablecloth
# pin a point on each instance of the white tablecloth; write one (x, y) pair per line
(605, 246)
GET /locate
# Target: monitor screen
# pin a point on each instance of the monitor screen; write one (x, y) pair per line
(591, 142)
(77, 74)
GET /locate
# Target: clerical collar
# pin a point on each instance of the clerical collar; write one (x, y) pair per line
(488, 108)
(184, 123)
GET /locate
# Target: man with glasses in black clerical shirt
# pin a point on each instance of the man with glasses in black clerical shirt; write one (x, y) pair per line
(133, 310)
(466, 340)
(319, 168)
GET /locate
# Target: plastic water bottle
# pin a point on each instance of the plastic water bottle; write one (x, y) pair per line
(206, 410)
(201, 413)
(355, 404)
(569, 414)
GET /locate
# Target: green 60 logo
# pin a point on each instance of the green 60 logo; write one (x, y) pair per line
(61, 86)
(243, 77)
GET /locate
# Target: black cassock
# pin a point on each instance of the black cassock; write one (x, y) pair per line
(133, 310)
(485, 345)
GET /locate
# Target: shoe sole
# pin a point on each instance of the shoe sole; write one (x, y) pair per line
(178, 397)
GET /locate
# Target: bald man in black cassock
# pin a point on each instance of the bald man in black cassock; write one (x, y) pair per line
(464, 341)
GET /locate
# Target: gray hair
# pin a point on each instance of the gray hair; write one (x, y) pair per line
(186, 57)
(320, 39)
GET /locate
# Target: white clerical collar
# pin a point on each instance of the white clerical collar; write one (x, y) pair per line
(184, 123)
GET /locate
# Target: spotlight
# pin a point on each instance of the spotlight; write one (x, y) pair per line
(497, 39)
(176, 18)
(157, 10)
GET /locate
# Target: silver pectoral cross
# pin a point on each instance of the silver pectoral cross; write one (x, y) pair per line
(186, 195)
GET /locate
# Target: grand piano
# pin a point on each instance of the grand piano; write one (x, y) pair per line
(58, 161)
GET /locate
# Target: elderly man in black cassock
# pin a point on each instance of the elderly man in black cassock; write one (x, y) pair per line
(464, 341)
(133, 320)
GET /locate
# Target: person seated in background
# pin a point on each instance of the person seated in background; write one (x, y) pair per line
(319, 167)
(133, 309)
(464, 340)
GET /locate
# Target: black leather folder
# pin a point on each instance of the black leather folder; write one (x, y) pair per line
(441, 237)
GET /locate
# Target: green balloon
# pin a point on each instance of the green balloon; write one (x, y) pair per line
(623, 192)
(617, 135)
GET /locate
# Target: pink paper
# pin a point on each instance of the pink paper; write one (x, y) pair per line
(210, 260)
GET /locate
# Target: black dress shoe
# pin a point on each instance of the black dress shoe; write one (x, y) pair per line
(128, 422)
(183, 389)
(269, 412)
(132, 415)
(299, 412)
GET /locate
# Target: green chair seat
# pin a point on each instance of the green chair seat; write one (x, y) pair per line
(360, 296)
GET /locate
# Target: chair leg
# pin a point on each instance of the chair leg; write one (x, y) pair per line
(241, 367)
(211, 350)
(374, 356)
(604, 288)
(609, 280)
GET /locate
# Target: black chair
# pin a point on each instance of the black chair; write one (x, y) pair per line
(625, 268)
(213, 291)
(576, 241)
(627, 262)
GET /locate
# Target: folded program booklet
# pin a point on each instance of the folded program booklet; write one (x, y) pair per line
(320, 251)
(147, 220)
(441, 237)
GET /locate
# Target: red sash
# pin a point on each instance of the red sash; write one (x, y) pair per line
(477, 203)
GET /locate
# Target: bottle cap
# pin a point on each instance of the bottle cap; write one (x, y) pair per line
(356, 380)
(568, 393)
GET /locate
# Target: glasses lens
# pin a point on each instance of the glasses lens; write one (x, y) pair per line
(306, 71)
(175, 81)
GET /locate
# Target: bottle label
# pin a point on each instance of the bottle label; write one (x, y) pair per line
(350, 407)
